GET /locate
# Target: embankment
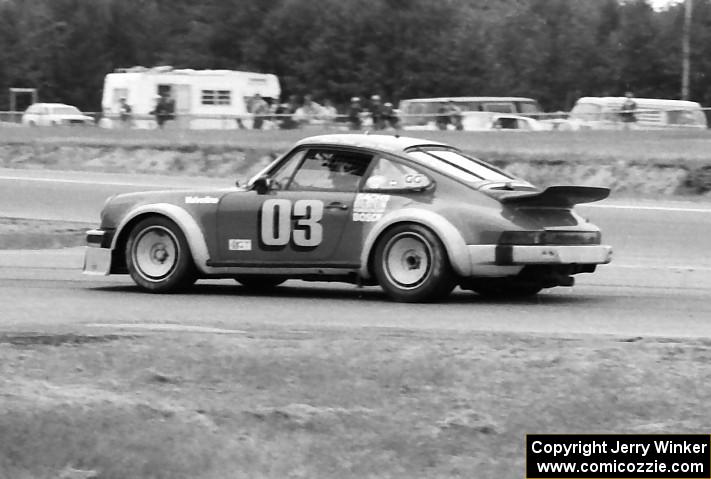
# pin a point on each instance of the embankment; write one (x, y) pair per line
(648, 177)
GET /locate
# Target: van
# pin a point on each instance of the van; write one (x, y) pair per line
(603, 113)
(204, 99)
(422, 113)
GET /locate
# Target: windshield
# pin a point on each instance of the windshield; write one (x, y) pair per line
(586, 112)
(65, 110)
(454, 163)
(526, 107)
(693, 117)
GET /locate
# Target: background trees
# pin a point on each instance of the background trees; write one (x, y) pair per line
(553, 50)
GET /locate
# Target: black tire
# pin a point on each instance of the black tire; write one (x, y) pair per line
(411, 265)
(158, 256)
(260, 283)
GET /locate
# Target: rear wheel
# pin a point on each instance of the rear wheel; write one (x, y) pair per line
(158, 256)
(411, 265)
(260, 283)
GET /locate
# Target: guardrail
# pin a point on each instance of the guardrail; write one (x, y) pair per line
(341, 121)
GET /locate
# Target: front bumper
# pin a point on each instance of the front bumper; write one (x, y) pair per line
(97, 257)
(499, 260)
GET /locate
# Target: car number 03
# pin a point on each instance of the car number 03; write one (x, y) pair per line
(276, 222)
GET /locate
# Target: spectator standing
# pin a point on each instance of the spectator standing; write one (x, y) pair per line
(376, 112)
(329, 113)
(308, 112)
(442, 119)
(354, 111)
(455, 115)
(389, 116)
(125, 113)
(627, 112)
(285, 113)
(260, 110)
(164, 109)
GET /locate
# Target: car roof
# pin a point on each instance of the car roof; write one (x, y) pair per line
(50, 104)
(388, 143)
(606, 100)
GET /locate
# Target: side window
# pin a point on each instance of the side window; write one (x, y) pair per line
(330, 170)
(282, 177)
(390, 175)
(501, 107)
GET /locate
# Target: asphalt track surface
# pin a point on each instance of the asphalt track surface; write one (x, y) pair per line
(659, 283)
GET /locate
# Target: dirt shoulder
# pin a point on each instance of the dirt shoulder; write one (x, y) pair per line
(126, 402)
(19, 233)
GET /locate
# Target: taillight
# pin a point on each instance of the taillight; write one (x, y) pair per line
(522, 237)
(573, 237)
(550, 237)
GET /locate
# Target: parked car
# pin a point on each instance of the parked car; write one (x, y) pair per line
(414, 216)
(603, 113)
(489, 121)
(54, 114)
(423, 113)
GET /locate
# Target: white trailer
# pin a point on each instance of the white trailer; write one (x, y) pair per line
(204, 99)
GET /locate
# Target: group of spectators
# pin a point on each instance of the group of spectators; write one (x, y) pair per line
(163, 110)
(295, 114)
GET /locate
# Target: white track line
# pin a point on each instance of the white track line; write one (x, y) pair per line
(86, 182)
(651, 208)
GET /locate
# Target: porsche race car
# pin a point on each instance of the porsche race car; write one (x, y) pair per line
(416, 217)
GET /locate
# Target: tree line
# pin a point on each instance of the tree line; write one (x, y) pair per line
(551, 50)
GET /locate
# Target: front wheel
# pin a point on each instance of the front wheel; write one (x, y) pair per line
(158, 256)
(411, 265)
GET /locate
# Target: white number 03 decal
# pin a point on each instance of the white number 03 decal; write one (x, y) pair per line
(276, 222)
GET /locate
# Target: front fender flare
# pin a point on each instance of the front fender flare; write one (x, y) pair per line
(449, 235)
(184, 220)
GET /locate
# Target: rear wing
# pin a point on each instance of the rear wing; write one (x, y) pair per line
(557, 196)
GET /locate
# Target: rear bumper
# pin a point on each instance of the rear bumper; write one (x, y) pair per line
(555, 254)
(498, 260)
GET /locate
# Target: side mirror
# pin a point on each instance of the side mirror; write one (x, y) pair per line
(262, 185)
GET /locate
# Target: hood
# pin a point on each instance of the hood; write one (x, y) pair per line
(119, 205)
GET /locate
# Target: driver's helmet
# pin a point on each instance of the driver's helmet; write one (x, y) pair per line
(345, 173)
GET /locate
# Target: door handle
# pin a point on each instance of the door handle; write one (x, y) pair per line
(336, 205)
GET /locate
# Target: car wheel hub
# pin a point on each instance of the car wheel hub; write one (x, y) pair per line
(155, 253)
(407, 262)
(160, 254)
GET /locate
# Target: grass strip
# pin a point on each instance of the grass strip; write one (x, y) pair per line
(329, 403)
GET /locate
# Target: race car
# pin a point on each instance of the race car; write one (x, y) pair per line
(416, 217)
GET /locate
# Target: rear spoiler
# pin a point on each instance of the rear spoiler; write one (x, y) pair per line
(557, 196)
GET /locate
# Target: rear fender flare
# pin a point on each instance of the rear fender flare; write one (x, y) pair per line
(447, 233)
(184, 220)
